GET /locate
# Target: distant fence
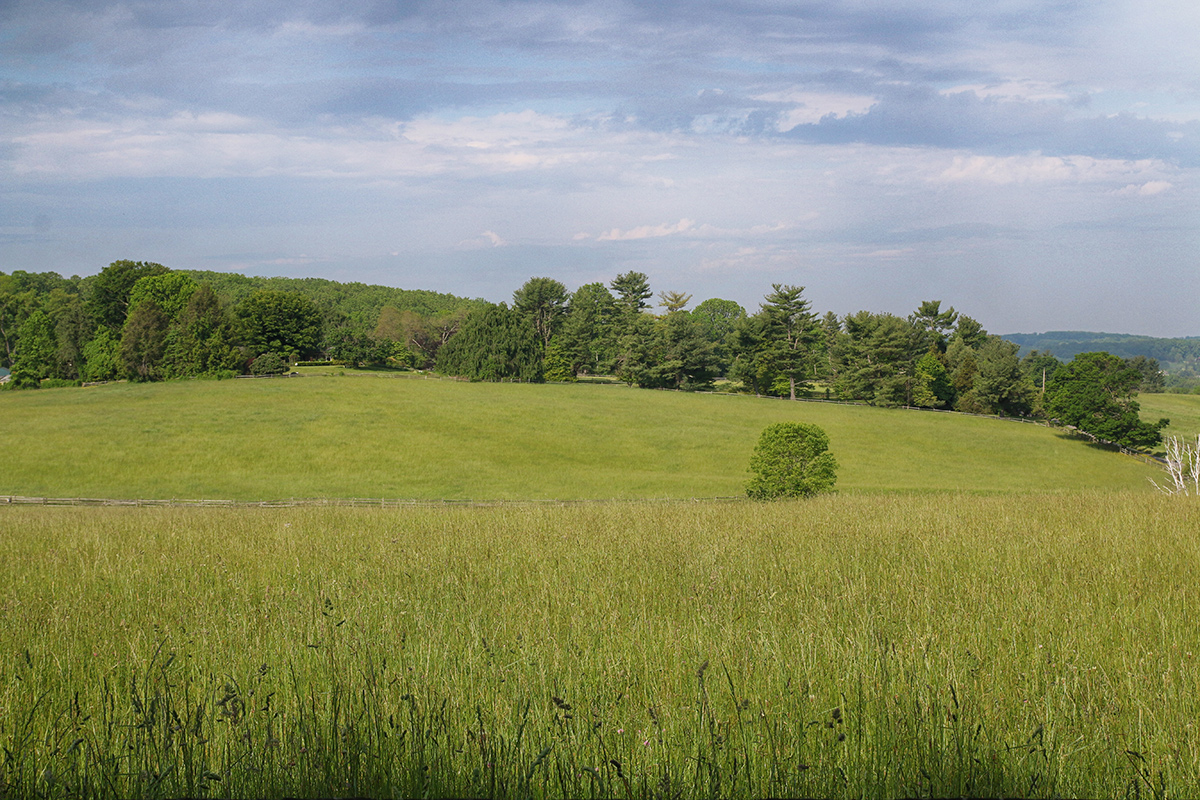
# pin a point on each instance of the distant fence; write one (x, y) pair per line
(350, 502)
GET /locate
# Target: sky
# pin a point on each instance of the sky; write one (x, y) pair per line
(1033, 163)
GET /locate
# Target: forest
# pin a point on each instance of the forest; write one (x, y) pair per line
(143, 321)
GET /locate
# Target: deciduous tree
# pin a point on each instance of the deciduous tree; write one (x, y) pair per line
(791, 459)
(1095, 393)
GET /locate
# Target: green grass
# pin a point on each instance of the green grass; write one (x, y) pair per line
(850, 646)
(1182, 409)
(381, 435)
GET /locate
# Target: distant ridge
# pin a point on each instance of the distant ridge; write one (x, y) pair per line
(1065, 345)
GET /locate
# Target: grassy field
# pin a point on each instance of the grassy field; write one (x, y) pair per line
(1182, 409)
(851, 646)
(372, 435)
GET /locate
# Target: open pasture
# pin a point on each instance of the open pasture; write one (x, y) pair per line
(1182, 409)
(945, 645)
(391, 436)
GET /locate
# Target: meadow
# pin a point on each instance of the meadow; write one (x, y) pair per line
(404, 437)
(986, 608)
(1036, 645)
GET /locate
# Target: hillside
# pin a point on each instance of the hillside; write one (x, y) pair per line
(394, 436)
(1065, 345)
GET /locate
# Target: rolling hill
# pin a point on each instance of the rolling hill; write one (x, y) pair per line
(403, 437)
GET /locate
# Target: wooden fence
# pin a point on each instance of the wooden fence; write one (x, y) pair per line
(349, 502)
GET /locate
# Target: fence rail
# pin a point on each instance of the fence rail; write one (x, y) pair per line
(348, 502)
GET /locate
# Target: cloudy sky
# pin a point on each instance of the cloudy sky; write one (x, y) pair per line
(1034, 163)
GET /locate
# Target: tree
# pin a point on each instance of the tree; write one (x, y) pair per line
(201, 341)
(269, 364)
(878, 359)
(143, 341)
(282, 322)
(674, 301)
(717, 318)
(633, 290)
(791, 459)
(1039, 367)
(790, 331)
(1000, 387)
(931, 383)
(752, 363)
(170, 290)
(102, 357)
(587, 337)
(1183, 465)
(1153, 379)
(108, 299)
(36, 355)
(1094, 393)
(495, 343)
(73, 330)
(932, 326)
(544, 301)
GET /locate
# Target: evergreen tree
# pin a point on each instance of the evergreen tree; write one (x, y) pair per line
(790, 331)
(495, 343)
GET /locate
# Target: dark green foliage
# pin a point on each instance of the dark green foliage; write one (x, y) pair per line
(932, 326)
(102, 357)
(633, 290)
(108, 298)
(878, 359)
(789, 332)
(1153, 379)
(269, 364)
(360, 303)
(544, 301)
(1094, 393)
(751, 363)
(36, 355)
(791, 459)
(717, 319)
(169, 290)
(144, 341)
(201, 342)
(666, 353)
(587, 337)
(931, 383)
(72, 329)
(284, 322)
(495, 343)
(999, 386)
(1068, 344)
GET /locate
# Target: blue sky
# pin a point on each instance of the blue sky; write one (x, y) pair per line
(1034, 163)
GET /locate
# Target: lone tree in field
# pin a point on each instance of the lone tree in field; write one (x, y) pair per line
(791, 459)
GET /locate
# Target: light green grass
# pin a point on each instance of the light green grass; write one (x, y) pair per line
(851, 646)
(1182, 409)
(375, 435)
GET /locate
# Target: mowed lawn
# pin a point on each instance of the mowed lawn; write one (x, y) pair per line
(401, 436)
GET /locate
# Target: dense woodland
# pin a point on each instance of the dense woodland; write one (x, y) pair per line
(143, 321)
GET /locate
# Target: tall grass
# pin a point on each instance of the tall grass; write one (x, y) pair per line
(1023, 645)
(375, 436)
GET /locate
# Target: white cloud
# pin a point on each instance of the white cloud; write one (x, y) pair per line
(1147, 189)
(187, 144)
(1034, 169)
(1028, 90)
(812, 107)
(646, 231)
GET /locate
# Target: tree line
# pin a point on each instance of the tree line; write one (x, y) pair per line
(143, 321)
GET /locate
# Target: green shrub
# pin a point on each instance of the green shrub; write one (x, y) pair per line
(269, 364)
(791, 460)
